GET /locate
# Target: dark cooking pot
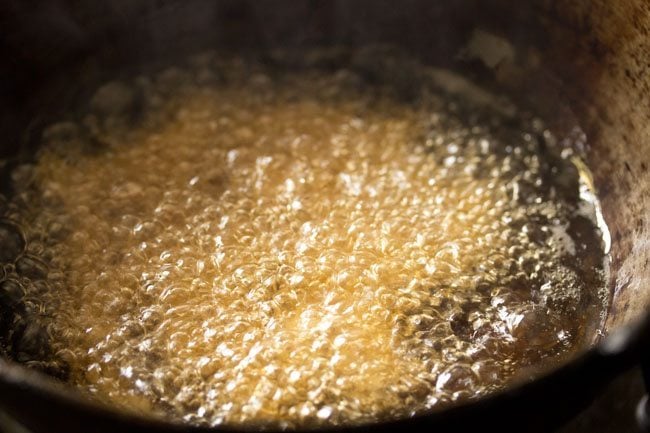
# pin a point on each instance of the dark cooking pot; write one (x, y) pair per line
(581, 60)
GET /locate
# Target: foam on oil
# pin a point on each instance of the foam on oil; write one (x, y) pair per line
(292, 250)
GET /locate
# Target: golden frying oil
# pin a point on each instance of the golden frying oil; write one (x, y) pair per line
(292, 251)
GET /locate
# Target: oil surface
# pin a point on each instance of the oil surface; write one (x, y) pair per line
(301, 249)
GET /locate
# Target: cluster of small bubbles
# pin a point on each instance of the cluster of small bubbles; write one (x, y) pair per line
(24, 322)
(223, 244)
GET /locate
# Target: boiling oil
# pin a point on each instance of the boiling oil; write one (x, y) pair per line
(304, 249)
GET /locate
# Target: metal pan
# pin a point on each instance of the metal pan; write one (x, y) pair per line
(586, 61)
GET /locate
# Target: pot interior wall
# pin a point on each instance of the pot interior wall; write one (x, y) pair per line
(601, 50)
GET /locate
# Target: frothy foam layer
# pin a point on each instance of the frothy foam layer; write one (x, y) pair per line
(294, 250)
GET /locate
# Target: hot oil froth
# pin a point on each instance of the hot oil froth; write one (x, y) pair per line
(292, 251)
